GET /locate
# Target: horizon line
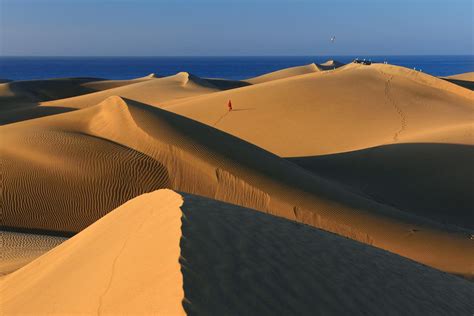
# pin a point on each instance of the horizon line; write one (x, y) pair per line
(221, 56)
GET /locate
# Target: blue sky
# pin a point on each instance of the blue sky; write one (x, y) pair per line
(235, 27)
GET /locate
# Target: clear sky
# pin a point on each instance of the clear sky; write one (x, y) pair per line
(235, 27)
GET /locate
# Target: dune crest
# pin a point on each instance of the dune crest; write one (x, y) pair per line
(465, 80)
(156, 255)
(284, 73)
(150, 91)
(175, 152)
(467, 76)
(308, 115)
(126, 262)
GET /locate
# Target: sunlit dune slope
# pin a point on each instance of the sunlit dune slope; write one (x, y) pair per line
(350, 108)
(154, 92)
(127, 262)
(285, 73)
(97, 158)
(295, 71)
(65, 95)
(18, 249)
(213, 258)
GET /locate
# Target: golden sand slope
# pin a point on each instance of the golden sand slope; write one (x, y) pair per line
(285, 73)
(467, 76)
(18, 249)
(17, 103)
(127, 262)
(154, 92)
(295, 71)
(52, 154)
(234, 261)
(351, 108)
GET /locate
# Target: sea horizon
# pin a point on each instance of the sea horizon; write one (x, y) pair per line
(228, 67)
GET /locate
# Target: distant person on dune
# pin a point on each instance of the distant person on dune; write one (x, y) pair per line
(229, 105)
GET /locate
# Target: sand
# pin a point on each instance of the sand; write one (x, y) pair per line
(18, 249)
(379, 155)
(308, 115)
(153, 90)
(148, 256)
(97, 158)
(467, 76)
(21, 100)
(126, 262)
(465, 80)
(295, 71)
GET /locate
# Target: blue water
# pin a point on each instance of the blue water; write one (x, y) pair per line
(23, 68)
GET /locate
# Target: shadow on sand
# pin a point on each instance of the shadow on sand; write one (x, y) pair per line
(432, 180)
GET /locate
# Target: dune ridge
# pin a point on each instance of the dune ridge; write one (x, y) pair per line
(295, 71)
(467, 76)
(284, 73)
(198, 159)
(381, 104)
(18, 249)
(116, 266)
(465, 80)
(155, 254)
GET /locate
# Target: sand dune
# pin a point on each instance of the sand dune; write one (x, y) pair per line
(330, 64)
(467, 76)
(126, 263)
(153, 92)
(97, 158)
(110, 84)
(285, 73)
(308, 115)
(18, 249)
(20, 100)
(214, 258)
(295, 71)
(80, 93)
(465, 80)
(35, 91)
(406, 177)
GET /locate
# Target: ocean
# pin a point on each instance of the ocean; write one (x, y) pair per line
(25, 68)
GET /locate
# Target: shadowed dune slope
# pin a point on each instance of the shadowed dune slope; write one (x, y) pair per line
(35, 91)
(20, 100)
(330, 64)
(353, 107)
(433, 180)
(213, 258)
(465, 80)
(467, 76)
(110, 84)
(125, 263)
(236, 261)
(175, 152)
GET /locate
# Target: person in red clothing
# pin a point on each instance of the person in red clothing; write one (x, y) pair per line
(229, 105)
